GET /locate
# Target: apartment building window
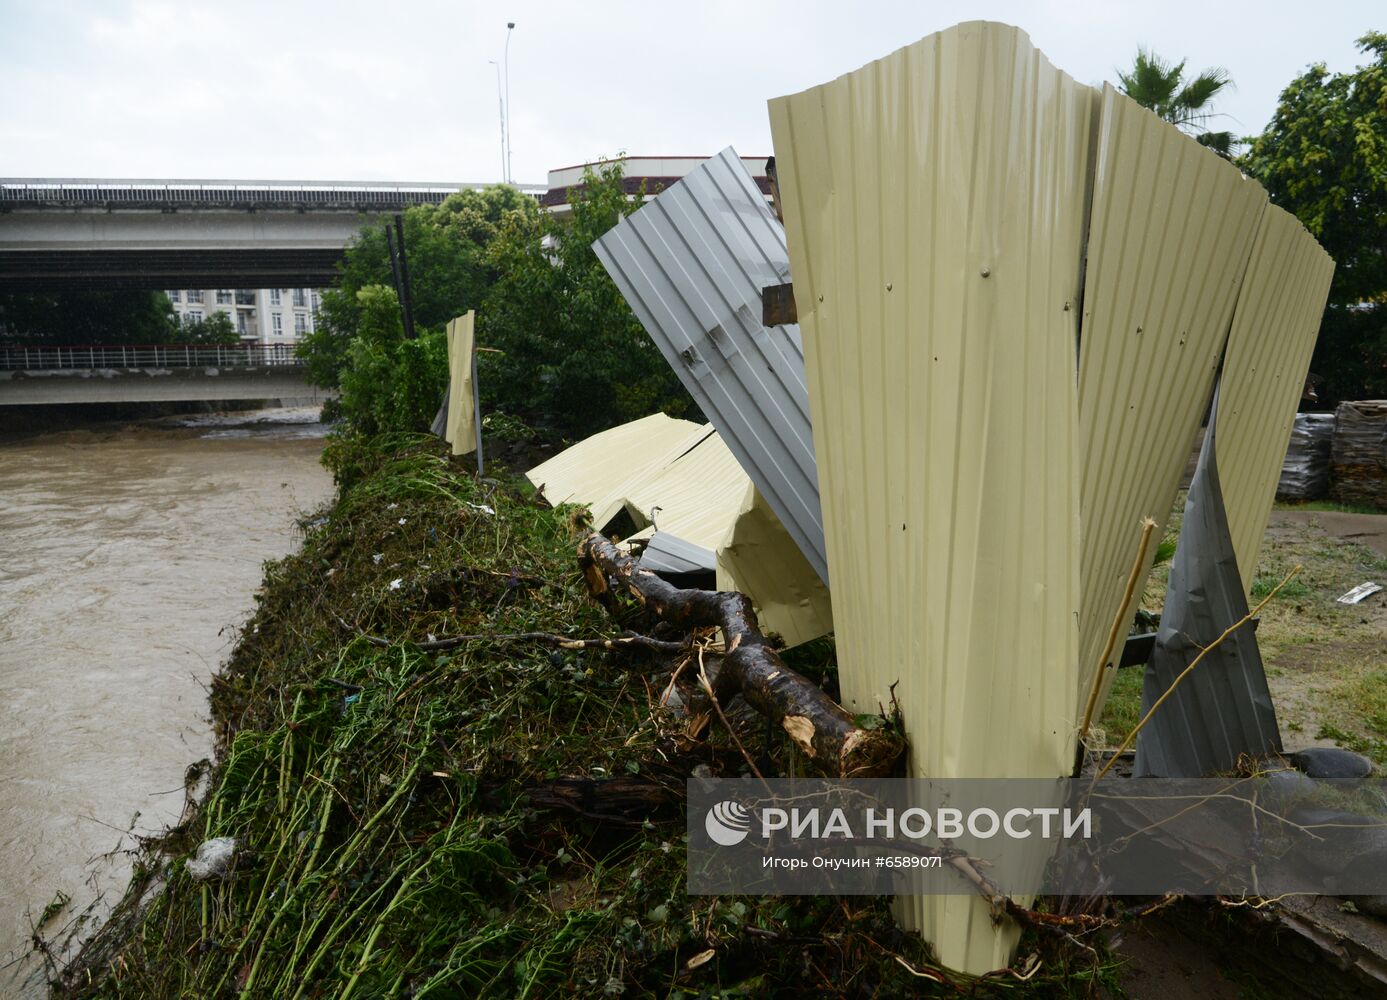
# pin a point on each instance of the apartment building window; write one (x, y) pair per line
(313, 298)
(300, 324)
(223, 296)
(242, 323)
(194, 315)
(277, 323)
(195, 297)
(175, 296)
(300, 298)
(274, 296)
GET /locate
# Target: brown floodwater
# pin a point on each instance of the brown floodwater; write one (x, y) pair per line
(128, 556)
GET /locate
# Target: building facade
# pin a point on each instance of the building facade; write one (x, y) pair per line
(649, 173)
(272, 317)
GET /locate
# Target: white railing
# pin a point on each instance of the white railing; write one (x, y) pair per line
(146, 356)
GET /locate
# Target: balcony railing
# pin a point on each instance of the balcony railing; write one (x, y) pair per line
(146, 356)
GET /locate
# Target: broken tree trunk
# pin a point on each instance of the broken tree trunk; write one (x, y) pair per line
(821, 728)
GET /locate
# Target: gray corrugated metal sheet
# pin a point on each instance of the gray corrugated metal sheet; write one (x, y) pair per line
(1223, 709)
(668, 553)
(692, 264)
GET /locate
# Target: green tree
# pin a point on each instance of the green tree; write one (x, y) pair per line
(573, 358)
(1324, 159)
(561, 348)
(389, 383)
(86, 317)
(449, 270)
(1161, 86)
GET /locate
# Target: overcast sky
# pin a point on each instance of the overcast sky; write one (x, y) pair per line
(303, 89)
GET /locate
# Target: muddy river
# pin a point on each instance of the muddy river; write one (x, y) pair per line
(127, 557)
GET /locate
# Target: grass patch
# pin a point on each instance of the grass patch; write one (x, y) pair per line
(1371, 747)
(1329, 505)
(1123, 708)
(1265, 583)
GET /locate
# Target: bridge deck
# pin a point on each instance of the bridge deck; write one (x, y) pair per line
(151, 373)
(154, 234)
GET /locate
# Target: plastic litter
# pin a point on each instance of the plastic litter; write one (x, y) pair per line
(1305, 471)
(213, 858)
(1359, 592)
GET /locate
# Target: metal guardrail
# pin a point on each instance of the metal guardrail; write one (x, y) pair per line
(328, 195)
(146, 356)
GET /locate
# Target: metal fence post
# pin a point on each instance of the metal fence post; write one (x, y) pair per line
(477, 410)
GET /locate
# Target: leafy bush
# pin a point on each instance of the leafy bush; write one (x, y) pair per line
(389, 383)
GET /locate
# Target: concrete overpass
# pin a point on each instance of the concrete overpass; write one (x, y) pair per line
(156, 234)
(162, 373)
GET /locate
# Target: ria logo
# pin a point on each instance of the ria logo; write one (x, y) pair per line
(728, 823)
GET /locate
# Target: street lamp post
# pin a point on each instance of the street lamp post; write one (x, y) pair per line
(510, 27)
(501, 107)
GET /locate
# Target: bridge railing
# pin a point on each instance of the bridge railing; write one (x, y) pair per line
(21, 193)
(146, 356)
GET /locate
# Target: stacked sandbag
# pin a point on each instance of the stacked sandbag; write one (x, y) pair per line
(1360, 452)
(1305, 472)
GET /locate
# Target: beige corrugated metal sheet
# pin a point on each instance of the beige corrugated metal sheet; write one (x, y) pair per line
(692, 264)
(759, 558)
(462, 424)
(1269, 348)
(1172, 229)
(597, 470)
(695, 498)
(935, 212)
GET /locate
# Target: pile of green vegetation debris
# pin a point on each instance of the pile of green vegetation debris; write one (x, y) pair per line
(496, 818)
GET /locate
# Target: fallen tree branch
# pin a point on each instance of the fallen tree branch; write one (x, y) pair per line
(818, 726)
(623, 800)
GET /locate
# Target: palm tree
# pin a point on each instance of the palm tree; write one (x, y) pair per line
(1156, 84)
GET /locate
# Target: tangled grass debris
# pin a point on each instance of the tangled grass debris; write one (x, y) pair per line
(489, 817)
